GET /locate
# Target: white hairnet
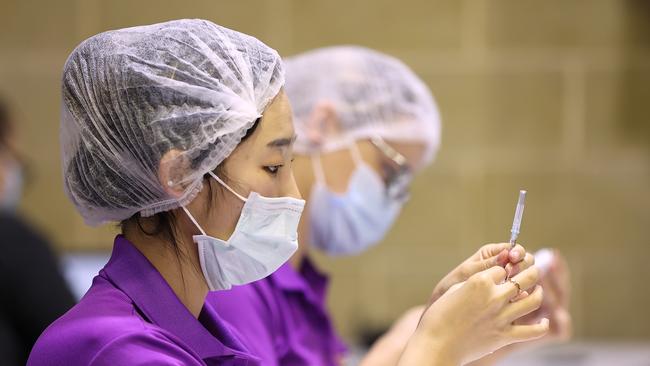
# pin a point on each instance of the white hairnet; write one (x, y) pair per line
(372, 94)
(131, 95)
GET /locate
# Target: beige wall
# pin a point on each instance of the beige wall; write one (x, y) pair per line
(551, 96)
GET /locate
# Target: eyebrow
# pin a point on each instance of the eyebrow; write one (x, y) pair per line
(281, 142)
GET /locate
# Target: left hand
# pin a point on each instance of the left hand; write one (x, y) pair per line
(555, 280)
(514, 260)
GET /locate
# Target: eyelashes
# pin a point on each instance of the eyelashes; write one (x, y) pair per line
(274, 169)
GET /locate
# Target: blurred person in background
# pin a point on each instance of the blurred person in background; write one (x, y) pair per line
(366, 124)
(34, 292)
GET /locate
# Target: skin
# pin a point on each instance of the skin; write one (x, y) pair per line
(555, 306)
(262, 163)
(467, 321)
(476, 318)
(337, 178)
(338, 167)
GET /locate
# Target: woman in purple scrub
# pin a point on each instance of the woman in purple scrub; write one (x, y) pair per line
(365, 124)
(181, 132)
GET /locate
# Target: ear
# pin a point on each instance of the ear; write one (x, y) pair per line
(171, 171)
(323, 122)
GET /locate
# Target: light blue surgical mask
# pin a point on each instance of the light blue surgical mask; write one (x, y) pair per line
(265, 237)
(351, 222)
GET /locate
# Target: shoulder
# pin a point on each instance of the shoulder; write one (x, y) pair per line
(104, 328)
(258, 299)
(16, 230)
(254, 315)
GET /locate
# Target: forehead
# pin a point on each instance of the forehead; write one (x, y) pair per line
(276, 120)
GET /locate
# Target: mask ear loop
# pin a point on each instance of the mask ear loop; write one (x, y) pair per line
(193, 220)
(319, 172)
(223, 184)
(227, 187)
(356, 154)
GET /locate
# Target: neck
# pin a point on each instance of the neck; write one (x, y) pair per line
(180, 268)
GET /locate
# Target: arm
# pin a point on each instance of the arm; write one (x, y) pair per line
(388, 349)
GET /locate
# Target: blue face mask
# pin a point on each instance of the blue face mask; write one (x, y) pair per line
(351, 222)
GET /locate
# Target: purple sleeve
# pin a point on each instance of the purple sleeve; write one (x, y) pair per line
(249, 313)
(150, 348)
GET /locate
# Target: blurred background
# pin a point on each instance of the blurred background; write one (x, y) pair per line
(549, 96)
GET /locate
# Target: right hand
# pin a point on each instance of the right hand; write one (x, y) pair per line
(477, 318)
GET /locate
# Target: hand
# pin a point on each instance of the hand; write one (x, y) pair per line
(477, 319)
(555, 279)
(487, 256)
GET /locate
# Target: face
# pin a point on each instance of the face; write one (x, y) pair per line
(339, 165)
(261, 163)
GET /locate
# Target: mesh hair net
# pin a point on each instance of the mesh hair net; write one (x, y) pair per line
(372, 94)
(131, 95)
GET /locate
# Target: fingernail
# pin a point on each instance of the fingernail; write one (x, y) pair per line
(515, 256)
(514, 270)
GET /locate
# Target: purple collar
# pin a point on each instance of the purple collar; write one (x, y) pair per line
(131, 272)
(308, 281)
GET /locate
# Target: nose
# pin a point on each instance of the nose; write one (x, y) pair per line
(291, 187)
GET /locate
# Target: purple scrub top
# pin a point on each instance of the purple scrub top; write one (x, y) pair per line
(130, 316)
(283, 318)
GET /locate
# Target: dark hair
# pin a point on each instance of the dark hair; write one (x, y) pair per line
(163, 225)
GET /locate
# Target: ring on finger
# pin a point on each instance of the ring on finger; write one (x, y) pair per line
(516, 284)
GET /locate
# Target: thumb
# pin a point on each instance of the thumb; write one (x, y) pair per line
(491, 250)
(489, 259)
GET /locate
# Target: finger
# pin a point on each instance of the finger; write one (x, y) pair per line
(522, 295)
(496, 273)
(480, 265)
(525, 306)
(550, 280)
(551, 299)
(517, 254)
(490, 250)
(556, 280)
(562, 325)
(514, 269)
(526, 279)
(520, 333)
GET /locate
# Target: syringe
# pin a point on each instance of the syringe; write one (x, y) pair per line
(516, 223)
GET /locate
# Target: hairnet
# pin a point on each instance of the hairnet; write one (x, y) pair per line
(131, 95)
(372, 94)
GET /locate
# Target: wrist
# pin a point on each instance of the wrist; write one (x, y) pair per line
(425, 348)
